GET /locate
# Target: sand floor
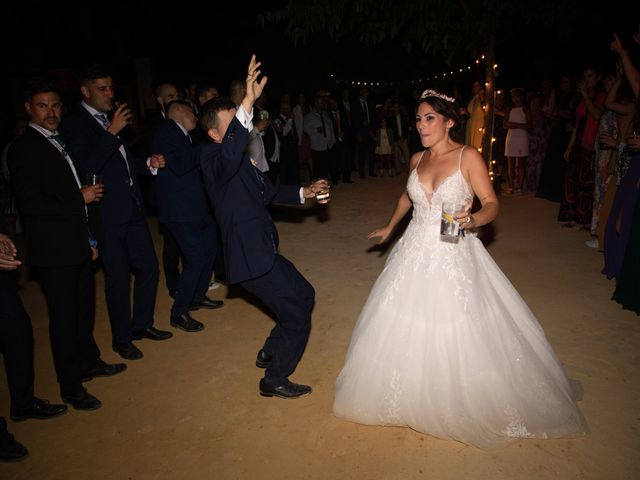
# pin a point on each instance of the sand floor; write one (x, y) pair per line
(190, 408)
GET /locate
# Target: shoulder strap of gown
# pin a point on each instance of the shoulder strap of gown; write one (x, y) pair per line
(460, 158)
(420, 159)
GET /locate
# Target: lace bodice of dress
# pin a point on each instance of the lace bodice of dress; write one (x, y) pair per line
(427, 207)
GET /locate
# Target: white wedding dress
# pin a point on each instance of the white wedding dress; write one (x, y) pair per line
(446, 346)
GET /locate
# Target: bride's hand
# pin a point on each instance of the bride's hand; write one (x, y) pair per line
(383, 233)
(464, 218)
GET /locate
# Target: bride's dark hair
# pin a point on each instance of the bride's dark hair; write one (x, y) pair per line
(443, 107)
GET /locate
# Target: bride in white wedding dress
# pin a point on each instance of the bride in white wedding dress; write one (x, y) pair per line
(445, 344)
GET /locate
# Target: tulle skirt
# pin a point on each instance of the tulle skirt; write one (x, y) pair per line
(446, 346)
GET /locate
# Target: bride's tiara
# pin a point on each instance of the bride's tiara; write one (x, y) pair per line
(433, 93)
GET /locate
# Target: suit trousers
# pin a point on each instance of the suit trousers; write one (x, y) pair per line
(321, 163)
(401, 155)
(129, 247)
(170, 260)
(342, 162)
(70, 295)
(16, 343)
(291, 298)
(197, 241)
(365, 150)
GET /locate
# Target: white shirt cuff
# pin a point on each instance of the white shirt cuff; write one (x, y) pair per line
(154, 171)
(245, 117)
(302, 199)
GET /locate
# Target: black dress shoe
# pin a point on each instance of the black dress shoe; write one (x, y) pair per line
(286, 390)
(128, 351)
(263, 360)
(152, 333)
(11, 450)
(103, 369)
(187, 323)
(206, 302)
(40, 409)
(82, 400)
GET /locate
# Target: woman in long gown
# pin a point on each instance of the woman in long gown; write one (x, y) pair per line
(444, 344)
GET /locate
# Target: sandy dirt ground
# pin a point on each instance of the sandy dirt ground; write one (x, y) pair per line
(190, 408)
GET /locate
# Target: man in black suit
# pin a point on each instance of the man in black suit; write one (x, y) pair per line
(16, 345)
(400, 128)
(240, 193)
(183, 210)
(165, 94)
(362, 120)
(94, 142)
(47, 186)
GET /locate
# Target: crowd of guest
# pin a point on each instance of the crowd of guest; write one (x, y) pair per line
(578, 146)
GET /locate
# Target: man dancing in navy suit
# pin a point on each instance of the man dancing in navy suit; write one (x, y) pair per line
(240, 193)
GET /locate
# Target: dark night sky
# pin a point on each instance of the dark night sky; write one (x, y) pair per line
(214, 43)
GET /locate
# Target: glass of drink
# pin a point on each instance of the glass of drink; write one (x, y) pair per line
(91, 179)
(323, 196)
(449, 227)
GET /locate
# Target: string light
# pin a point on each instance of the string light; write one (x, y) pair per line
(441, 75)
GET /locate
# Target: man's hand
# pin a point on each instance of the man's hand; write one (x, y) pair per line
(92, 193)
(94, 254)
(254, 88)
(8, 254)
(121, 118)
(315, 187)
(157, 160)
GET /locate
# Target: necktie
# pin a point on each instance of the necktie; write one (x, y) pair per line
(365, 110)
(58, 139)
(103, 119)
(336, 115)
(324, 127)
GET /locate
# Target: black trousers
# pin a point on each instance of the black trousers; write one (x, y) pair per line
(322, 160)
(170, 260)
(129, 248)
(365, 150)
(16, 343)
(70, 295)
(291, 298)
(197, 241)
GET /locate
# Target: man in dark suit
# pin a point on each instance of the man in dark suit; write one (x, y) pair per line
(240, 193)
(183, 210)
(52, 204)
(400, 128)
(16, 345)
(94, 142)
(165, 94)
(362, 120)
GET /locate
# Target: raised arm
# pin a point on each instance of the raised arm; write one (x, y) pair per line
(254, 88)
(633, 76)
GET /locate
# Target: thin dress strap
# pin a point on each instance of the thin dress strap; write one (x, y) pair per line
(460, 159)
(419, 160)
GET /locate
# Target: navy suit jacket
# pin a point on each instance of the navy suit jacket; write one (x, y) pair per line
(239, 193)
(179, 187)
(358, 116)
(49, 201)
(98, 153)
